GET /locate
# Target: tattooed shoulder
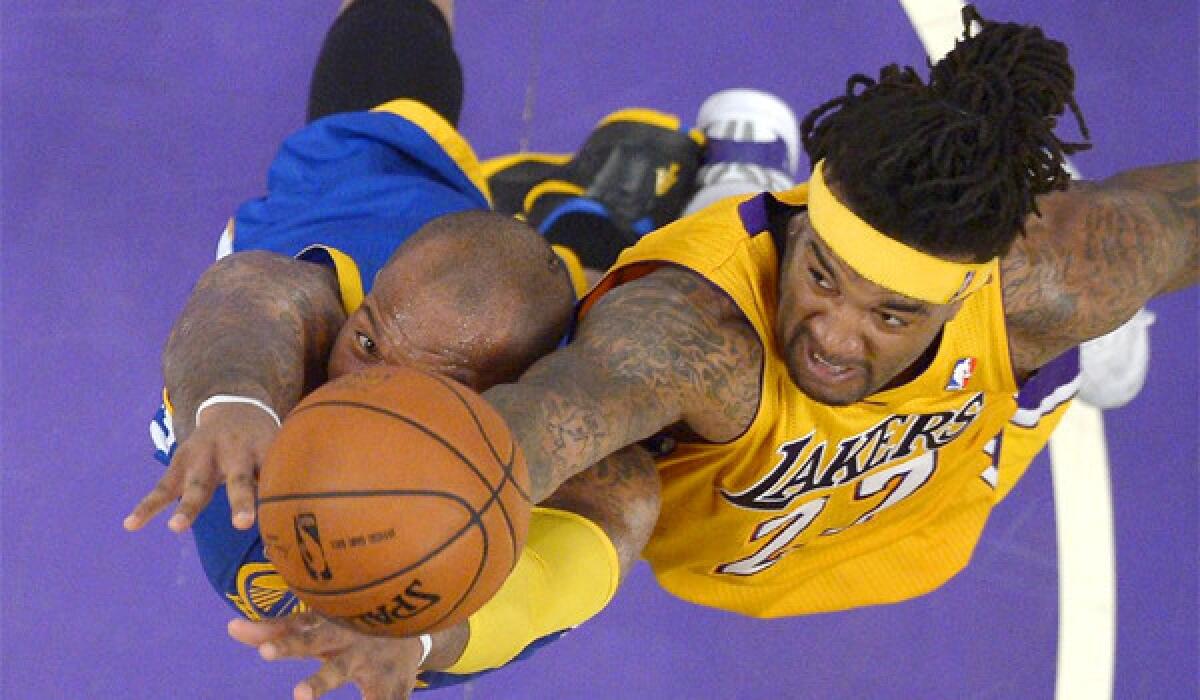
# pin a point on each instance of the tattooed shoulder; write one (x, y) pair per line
(655, 351)
(701, 340)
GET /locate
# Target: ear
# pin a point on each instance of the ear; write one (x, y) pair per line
(795, 225)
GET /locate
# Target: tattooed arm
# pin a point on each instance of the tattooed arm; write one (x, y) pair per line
(620, 494)
(258, 325)
(655, 351)
(1099, 251)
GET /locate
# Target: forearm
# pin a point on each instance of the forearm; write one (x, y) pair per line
(257, 324)
(655, 351)
(567, 573)
(610, 509)
(567, 412)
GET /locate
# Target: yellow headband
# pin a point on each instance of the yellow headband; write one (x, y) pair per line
(884, 260)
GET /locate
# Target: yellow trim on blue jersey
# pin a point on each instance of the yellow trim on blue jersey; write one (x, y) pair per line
(349, 279)
(491, 166)
(446, 136)
(167, 403)
(574, 269)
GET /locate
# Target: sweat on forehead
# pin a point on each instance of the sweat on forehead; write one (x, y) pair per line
(484, 276)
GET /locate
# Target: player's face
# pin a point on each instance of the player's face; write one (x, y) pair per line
(384, 330)
(843, 337)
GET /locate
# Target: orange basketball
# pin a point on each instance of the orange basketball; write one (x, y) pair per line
(394, 500)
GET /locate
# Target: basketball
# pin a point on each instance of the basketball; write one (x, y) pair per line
(394, 501)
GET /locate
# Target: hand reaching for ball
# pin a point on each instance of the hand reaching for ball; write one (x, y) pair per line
(228, 446)
(380, 667)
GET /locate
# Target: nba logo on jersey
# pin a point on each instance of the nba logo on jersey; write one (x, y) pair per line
(961, 376)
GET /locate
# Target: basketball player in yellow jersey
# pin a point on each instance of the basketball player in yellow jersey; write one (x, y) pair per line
(834, 364)
(826, 371)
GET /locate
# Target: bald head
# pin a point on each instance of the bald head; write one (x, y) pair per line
(477, 295)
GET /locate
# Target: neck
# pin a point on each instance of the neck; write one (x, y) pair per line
(918, 366)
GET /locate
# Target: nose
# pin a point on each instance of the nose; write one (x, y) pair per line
(837, 334)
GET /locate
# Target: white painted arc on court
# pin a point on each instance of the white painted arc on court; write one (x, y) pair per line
(1080, 472)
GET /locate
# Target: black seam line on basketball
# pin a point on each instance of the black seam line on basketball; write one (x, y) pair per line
(404, 419)
(474, 580)
(508, 471)
(487, 438)
(356, 493)
(477, 515)
(476, 520)
(508, 475)
(512, 530)
(494, 494)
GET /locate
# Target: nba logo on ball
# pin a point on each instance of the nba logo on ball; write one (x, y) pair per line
(308, 536)
(394, 501)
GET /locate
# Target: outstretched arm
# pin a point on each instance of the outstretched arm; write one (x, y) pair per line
(1099, 251)
(258, 325)
(620, 495)
(655, 351)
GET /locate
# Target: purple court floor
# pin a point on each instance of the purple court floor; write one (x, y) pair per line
(132, 128)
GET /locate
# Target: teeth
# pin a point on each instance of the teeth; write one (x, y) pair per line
(827, 363)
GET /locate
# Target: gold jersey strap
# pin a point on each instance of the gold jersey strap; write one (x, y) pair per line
(575, 269)
(884, 260)
(445, 135)
(350, 283)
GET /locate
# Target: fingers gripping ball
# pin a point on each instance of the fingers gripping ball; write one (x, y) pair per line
(394, 501)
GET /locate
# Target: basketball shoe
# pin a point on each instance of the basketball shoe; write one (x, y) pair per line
(753, 145)
(633, 174)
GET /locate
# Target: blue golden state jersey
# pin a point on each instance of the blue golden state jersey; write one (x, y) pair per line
(817, 508)
(345, 191)
(348, 189)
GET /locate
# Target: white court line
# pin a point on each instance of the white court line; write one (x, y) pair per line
(1087, 587)
(1087, 599)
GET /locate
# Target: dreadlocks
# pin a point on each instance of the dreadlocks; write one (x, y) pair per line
(952, 167)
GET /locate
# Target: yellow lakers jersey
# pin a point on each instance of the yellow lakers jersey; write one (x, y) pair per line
(817, 508)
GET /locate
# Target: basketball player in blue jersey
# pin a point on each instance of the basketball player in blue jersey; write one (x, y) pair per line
(829, 371)
(377, 242)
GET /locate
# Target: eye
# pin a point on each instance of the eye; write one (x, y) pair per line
(366, 344)
(892, 320)
(820, 279)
